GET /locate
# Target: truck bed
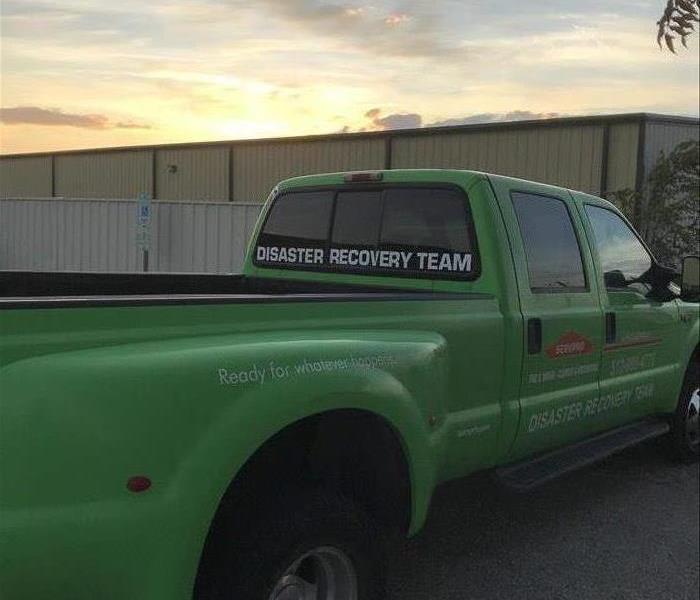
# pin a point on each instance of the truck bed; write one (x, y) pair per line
(31, 289)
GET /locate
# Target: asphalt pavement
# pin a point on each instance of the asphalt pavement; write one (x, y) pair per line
(627, 528)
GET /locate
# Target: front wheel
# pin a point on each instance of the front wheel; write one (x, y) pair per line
(685, 431)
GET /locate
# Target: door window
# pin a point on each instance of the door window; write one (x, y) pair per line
(553, 254)
(622, 256)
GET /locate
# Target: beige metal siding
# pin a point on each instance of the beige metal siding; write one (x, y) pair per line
(258, 167)
(28, 177)
(664, 137)
(193, 174)
(567, 156)
(622, 156)
(567, 153)
(104, 174)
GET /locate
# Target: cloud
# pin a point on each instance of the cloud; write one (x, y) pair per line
(515, 115)
(34, 115)
(396, 19)
(377, 122)
(379, 31)
(516, 19)
(394, 121)
(130, 125)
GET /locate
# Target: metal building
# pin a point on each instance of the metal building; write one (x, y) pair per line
(75, 211)
(593, 154)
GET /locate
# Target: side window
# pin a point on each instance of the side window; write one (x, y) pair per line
(551, 246)
(622, 256)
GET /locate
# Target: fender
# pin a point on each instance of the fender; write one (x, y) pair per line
(689, 312)
(691, 342)
(189, 413)
(404, 395)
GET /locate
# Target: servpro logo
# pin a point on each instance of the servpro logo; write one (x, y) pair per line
(570, 344)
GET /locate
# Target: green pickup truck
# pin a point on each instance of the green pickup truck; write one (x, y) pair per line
(265, 436)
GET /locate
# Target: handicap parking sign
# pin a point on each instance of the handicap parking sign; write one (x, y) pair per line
(143, 222)
(144, 210)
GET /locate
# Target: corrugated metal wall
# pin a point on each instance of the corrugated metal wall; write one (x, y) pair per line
(25, 177)
(257, 167)
(567, 156)
(103, 175)
(623, 149)
(581, 153)
(196, 174)
(99, 235)
(664, 137)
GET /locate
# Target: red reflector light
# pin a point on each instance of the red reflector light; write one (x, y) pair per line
(363, 177)
(138, 483)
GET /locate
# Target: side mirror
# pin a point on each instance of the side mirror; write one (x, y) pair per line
(661, 276)
(690, 278)
(615, 280)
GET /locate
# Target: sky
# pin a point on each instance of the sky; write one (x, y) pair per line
(98, 73)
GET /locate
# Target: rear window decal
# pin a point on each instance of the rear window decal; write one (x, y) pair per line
(363, 258)
(292, 256)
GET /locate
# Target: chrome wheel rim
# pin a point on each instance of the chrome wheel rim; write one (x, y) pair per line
(692, 419)
(322, 574)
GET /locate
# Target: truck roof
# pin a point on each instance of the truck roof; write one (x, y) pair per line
(464, 177)
(391, 176)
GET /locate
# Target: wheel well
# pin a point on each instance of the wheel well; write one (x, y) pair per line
(354, 453)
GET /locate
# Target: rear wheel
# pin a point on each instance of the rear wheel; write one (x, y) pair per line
(685, 432)
(323, 573)
(311, 546)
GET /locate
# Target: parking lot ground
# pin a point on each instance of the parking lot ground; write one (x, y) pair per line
(625, 528)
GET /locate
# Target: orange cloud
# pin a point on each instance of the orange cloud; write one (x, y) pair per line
(397, 19)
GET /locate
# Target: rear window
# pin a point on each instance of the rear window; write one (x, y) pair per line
(418, 232)
(358, 217)
(433, 220)
(299, 220)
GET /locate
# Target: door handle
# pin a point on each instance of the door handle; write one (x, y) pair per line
(610, 328)
(534, 336)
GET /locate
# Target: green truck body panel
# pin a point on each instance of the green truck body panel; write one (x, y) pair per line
(92, 395)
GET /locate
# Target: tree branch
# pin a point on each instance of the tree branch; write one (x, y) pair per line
(677, 22)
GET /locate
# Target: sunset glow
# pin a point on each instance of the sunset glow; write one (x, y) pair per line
(87, 73)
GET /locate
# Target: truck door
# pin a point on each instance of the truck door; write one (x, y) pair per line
(639, 368)
(563, 319)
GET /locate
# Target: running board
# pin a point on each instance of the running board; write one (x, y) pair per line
(528, 474)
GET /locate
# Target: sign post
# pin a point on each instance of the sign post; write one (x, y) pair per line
(143, 227)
